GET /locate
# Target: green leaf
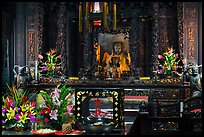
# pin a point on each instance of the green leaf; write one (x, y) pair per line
(48, 58)
(65, 93)
(48, 99)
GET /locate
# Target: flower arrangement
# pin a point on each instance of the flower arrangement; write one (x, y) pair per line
(169, 63)
(17, 110)
(55, 105)
(50, 63)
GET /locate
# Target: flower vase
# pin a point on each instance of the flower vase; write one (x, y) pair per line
(19, 128)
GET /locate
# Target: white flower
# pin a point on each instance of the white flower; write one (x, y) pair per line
(53, 114)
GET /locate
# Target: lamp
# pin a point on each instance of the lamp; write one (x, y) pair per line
(97, 8)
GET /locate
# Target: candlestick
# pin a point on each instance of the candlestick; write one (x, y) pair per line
(114, 17)
(80, 17)
(105, 15)
(86, 15)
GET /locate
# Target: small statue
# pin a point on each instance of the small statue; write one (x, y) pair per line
(22, 76)
(192, 75)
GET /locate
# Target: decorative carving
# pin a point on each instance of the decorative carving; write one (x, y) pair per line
(165, 93)
(197, 127)
(34, 29)
(191, 32)
(60, 42)
(40, 27)
(31, 15)
(31, 41)
(165, 126)
(164, 41)
(190, 12)
(191, 43)
(155, 46)
(167, 30)
(180, 28)
(134, 44)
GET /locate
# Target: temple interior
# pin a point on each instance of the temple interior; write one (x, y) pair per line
(101, 68)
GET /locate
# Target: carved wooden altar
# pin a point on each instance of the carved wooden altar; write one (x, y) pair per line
(116, 89)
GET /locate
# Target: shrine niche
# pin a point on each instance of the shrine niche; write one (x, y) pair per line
(112, 56)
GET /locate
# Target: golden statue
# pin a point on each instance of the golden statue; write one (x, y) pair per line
(117, 62)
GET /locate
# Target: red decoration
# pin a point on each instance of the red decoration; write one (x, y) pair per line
(97, 23)
(98, 113)
(98, 102)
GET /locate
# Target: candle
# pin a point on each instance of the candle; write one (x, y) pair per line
(105, 15)
(80, 17)
(86, 15)
(98, 54)
(114, 17)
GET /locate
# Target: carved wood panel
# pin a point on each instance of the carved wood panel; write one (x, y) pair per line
(191, 32)
(32, 30)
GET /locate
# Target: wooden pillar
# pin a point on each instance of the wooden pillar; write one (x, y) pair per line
(20, 45)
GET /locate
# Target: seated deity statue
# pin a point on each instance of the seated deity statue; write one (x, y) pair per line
(117, 62)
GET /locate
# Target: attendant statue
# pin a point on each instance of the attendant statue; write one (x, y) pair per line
(22, 76)
(192, 75)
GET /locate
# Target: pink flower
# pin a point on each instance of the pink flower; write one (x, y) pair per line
(160, 56)
(160, 72)
(59, 57)
(17, 117)
(32, 118)
(46, 120)
(32, 104)
(69, 108)
(176, 55)
(41, 112)
(3, 121)
(56, 93)
(9, 102)
(40, 57)
(4, 111)
(19, 109)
